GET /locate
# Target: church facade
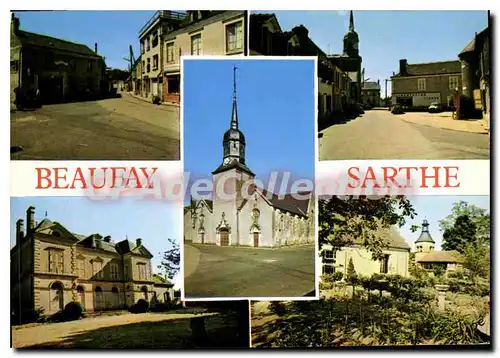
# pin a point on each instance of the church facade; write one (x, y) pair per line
(245, 214)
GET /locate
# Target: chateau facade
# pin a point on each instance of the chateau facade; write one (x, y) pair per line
(51, 266)
(257, 218)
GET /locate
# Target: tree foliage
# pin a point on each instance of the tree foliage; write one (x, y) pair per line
(463, 232)
(170, 262)
(479, 216)
(344, 221)
(476, 260)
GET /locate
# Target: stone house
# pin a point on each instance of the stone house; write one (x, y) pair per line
(428, 258)
(370, 93)
(252, 217)
(214, 33)
(52, 266)
(476, 75)
(419, 85)
(151, 38)
(63, 71)
(395, 261)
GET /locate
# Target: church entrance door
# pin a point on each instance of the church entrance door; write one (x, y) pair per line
(255, 239)
(224, 238)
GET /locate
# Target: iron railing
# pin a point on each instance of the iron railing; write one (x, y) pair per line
(163, 14)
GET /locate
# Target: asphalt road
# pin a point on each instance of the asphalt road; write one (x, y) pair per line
(113, 129)
(382, 135)
(214, 271)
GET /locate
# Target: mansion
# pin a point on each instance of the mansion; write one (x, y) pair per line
(52, 266)
(259, 219)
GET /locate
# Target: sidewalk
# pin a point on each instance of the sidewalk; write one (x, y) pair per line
(149, 99)
(444, 120)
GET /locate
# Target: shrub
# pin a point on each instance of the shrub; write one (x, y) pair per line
(140, 306)
(71, 312)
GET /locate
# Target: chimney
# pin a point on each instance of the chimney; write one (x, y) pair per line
(138, 242)
(95, 47)
(98, 241)
(30, 218)
(403, 67)
(378, 83)
(14, 24)
(19, 231)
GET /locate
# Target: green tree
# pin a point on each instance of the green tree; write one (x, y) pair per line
(170, 262)
(479, 216)
(464, 231)
(351, 271)
(476, 260)
(344, 221)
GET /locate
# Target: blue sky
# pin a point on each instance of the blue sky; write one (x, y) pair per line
(113, 31)
(434, 209)
(275, 111)
(385, 37)
(152, 220)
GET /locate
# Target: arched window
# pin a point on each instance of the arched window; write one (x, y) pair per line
(99, 298)
(115, 293)
(144, 291)
(81, 296)
(56, 297)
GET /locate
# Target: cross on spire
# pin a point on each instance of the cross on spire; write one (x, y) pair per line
(234, 117)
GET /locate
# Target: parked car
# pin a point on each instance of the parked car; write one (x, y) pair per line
(435, 107)
(397, 109)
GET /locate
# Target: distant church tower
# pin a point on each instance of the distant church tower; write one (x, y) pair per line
(229, 178)
(424, 243)
(351, 39)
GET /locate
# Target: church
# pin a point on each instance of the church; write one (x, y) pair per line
(253, 217)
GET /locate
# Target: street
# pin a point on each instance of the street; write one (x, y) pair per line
(214, 271)
(378, 134)
(111, 129)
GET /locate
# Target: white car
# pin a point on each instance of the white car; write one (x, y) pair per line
(434, 107)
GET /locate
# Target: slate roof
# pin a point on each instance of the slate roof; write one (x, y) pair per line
(232, 165)
(158, 280)
(433, 68)
(471, 46)
(33, 39)
(371, 86)
(441, 256)
(288, 203)
(393, 237)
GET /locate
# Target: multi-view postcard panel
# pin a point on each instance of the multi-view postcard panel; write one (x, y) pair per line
(327, 195)
(249, 155)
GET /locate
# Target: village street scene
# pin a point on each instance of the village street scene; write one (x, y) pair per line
(100, 276)
(392, 277)
(386, 94)
(233, 237)
(112, 92)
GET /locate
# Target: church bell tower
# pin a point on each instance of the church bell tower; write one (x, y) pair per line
(229, 179)
(351, 39)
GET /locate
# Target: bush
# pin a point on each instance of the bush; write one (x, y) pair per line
(140, 306)
(332, 277)
(71, 312)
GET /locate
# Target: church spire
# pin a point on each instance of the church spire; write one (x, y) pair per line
(351, 22)
(234, 117)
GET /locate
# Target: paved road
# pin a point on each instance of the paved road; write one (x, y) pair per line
(382, 135)
(248, 272)
(68, 333)
(113, 129)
